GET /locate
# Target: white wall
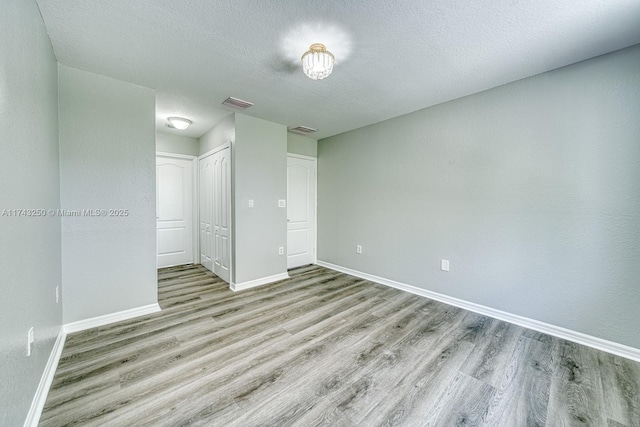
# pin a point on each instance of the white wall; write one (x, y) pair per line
(29, 179)
(221, 133)
(259, 156)
(107, 161)
(531, 190)
(300, 144)
(176, 144)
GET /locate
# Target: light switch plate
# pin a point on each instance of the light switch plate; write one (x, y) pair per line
(444, 265)
(30, 340)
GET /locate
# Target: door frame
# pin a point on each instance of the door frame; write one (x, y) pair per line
(314, 230)
(231, 204)
(194, 200)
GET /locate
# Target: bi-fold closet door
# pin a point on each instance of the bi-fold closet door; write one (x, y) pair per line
(215, 213)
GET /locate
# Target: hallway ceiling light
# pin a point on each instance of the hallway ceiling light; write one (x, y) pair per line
(317, 62)
(179, 123)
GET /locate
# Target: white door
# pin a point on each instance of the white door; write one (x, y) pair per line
(174, 211)
(215, 213)
(301, 210)
(206, 212)
(222, 214)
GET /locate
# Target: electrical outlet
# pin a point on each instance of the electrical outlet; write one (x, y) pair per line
(444, 265)
(282, 203)
(30, 340)
(281, 250)
(358, 249)
(250, 203)
(57, 294)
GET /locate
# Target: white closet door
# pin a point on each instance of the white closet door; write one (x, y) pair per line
(174, 211)
(206, 212)
(215, 213)
(222, 214)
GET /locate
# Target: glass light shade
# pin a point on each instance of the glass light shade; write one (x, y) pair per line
(317, 62)
(179, 123)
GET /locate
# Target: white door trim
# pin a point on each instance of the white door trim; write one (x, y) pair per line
(302, 156)
(194, 199)
(215, 150)
(315, 202)
(175, 155)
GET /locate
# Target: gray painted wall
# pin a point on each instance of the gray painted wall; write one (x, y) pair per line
(29, 179)
(220, 134)
(300, 144)
(259, 159)
(531, 190)
(107, 161)
(259, 155)
(176, 144)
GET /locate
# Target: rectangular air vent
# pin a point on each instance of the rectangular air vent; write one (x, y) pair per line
(237, 103)
(303, 130)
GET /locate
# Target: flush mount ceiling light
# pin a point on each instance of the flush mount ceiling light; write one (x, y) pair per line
(179, 123)
(317, 62)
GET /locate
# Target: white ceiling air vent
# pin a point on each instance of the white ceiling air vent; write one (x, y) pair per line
(237, 103)
(303, 130)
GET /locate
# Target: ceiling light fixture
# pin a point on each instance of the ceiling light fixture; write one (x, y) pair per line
(317, 62)
(179, 123)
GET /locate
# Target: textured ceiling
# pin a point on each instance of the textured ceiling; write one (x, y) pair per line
(391, 57)
(203, 115)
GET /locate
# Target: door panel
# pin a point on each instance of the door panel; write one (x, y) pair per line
(205, 204)
(301, 215)
(215, 213)
(174, 211)
(171, 241)
(223, 213)
(298, 242)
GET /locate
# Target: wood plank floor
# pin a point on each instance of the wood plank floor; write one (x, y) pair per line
(325, 348)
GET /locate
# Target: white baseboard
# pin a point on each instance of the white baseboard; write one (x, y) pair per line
(557, 331)
(93, 322)
(39, 399)
(258, 282)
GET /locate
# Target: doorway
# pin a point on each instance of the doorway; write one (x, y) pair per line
(301, 210)
(175, 242)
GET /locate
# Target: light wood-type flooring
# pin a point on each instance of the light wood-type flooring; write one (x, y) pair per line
(326, 348)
